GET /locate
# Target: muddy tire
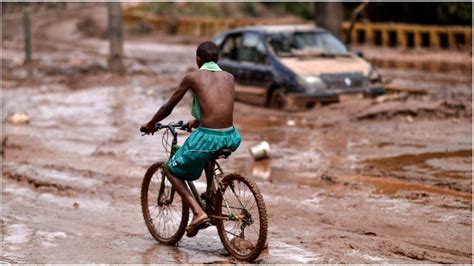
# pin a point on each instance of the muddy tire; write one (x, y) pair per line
(166, 222)
(278, 100)
(241, 246)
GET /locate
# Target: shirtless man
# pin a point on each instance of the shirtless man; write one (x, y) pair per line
(213, 107)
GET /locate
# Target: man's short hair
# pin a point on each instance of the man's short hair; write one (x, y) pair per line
(208, 52)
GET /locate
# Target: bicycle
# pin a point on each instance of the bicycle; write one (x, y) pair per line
(232, 202)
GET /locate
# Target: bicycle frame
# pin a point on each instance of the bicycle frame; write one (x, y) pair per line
(212, 180)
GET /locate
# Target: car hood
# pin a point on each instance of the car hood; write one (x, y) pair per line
(317, 66)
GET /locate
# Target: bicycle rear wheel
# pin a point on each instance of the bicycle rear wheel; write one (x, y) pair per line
(242, 223)
(166, 216)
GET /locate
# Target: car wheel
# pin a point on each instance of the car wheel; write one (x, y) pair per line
(278, 100)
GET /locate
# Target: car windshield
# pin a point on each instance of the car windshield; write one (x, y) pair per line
(306, 43)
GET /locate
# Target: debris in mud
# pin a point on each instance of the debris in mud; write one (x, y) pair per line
(19, 119)
(328, 177)
(290, 123)
(76, 205)
(416, 195)
(391, 97)
(370, 234)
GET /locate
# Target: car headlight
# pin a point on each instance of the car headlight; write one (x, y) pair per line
(374, 76)
(311, 82)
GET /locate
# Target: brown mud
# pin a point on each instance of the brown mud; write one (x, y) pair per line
(392, 187)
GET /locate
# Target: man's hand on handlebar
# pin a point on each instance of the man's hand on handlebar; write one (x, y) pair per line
(147, 128)
(192, 124)
(150, 129)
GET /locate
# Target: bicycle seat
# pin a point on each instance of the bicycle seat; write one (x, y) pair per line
(222, 153)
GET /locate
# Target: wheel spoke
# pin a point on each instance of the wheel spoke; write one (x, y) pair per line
(241, 200)
(165, 220)
(232, 234)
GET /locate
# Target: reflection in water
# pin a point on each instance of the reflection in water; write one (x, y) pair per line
(261, 169)
(153, 254)
(206, 248)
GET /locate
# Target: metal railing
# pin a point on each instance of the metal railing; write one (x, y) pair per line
(378, 34)
(409, 35)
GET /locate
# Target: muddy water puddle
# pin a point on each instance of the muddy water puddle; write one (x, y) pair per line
(453, 164)
(392, 186)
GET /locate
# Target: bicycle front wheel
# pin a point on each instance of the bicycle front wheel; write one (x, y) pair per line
(242, 217)
(165, 214)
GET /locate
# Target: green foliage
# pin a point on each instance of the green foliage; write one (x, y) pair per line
(443, 13)
(304, 10)
(250, 9)
(183, 9)
(454, 13)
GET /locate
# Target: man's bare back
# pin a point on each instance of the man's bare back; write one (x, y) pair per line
(216, 94)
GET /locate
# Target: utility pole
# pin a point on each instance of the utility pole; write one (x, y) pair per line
(115, 60)
(329, 15)
(26, 33)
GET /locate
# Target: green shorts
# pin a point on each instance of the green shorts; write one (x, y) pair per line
(190, 159)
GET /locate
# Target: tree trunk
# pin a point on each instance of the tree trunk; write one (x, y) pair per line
(115, 60)
(355, 14)
(329, 15)
(27, 33)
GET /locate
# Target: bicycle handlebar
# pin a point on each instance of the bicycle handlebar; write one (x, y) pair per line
(180, 125)
(171, 126)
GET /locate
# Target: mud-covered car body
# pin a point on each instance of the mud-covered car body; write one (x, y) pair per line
(288, 66)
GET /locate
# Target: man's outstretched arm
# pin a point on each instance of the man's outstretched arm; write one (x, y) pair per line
(168, 107)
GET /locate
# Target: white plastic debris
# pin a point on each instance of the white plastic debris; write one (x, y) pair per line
(260, 151)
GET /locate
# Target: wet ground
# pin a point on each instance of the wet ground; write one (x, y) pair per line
(384, 180)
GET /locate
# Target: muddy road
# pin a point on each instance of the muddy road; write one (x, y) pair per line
(384, 180)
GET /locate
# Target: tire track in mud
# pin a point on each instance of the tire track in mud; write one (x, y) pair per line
(73, 183)
(70, 175)
(427, 253)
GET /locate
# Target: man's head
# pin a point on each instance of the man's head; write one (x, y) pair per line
(207, 52)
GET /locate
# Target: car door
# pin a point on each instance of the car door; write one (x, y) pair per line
(255, 75)
(228, 59)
